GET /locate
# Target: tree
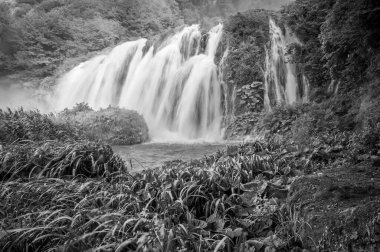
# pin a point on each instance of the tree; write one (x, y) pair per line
(350, 39)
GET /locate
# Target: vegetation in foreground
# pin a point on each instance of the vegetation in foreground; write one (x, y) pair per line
(79, 196)
(313, 182)
(232, 201)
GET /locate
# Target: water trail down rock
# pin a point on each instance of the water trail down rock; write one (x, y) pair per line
(284, 82)
(174, 85)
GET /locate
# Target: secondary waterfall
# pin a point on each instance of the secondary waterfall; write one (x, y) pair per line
(284, 82)
(175, 85)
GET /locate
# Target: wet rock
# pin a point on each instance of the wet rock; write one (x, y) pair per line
(275, 191)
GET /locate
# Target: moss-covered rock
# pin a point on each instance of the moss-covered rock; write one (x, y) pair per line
(115, 126)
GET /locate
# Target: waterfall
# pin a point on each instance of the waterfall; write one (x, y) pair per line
(229, 91)
(284, 82)
(174, 85)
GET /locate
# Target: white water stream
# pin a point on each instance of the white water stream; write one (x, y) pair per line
(174, 86)
(284, 83)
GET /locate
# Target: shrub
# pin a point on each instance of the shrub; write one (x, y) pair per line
(115, 126)
(32, 125)
(55, 159)
(281, 118)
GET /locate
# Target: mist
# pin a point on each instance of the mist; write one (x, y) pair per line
(16, 95)
(242, 5)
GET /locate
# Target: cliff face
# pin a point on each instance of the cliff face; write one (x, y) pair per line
(339, 59)
(247, 35)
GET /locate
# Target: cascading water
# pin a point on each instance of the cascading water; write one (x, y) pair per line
(229, 91)
(174, 86)
(284, 83)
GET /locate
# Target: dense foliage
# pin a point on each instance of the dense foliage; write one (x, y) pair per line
(54, 159)
(39, 35)
(181, 207)
(79, 196)
(32, 125)
(62, 195)
(246, 36)
(340, 42)
(112, 125)
(202, 10)
(339, 53)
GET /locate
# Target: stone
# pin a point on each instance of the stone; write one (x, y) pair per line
(275, 191)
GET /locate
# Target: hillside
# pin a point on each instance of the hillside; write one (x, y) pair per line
(38, 36)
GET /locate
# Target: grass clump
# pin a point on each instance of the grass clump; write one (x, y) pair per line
(115, 126)
(53, 159)
(32, 125)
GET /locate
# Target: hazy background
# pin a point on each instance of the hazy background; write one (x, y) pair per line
(242, 5)
(18, 93)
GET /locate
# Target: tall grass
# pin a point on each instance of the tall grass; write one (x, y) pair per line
(219, 203)
(53, 159)
(112, 125)
(32, 125)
